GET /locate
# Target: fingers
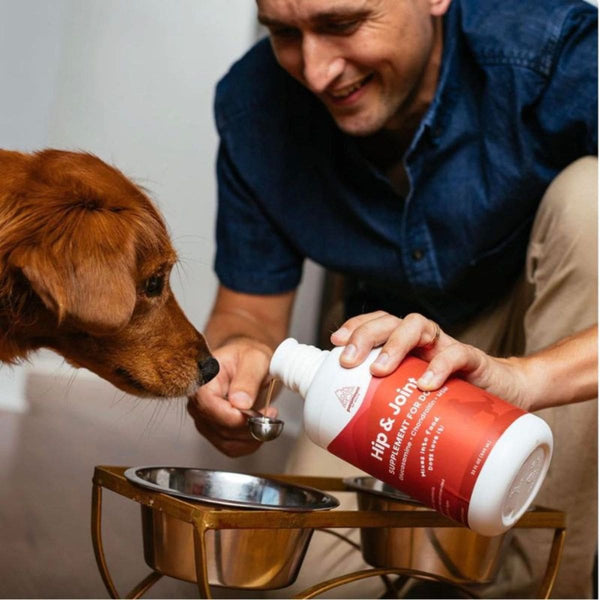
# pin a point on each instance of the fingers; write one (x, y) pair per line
(342, 336)
(456, 357)
(414, 331)
(505, 377)
(363, 333)
(232, 441)
(397, 337)
(220, 423)
(245, 385)
(215, 406)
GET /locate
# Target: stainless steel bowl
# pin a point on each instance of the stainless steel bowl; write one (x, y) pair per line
(236, 558)
(458, 554)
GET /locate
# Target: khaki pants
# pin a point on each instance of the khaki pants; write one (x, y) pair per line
(556, 296)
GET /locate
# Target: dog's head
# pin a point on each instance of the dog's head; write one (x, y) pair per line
(91, 255)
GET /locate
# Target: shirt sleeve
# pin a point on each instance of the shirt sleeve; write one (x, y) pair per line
(569, 106)
(252, 256)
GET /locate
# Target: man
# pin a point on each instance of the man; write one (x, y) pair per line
(410, 145)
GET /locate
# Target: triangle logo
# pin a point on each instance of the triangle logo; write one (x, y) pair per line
(347, 396)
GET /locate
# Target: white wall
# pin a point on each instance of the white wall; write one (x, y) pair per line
(133, 82)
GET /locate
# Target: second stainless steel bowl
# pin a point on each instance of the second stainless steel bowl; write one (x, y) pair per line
(458, 554)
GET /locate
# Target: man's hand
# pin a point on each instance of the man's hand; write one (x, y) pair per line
(244, 366)
(243, 330)
(565, 372)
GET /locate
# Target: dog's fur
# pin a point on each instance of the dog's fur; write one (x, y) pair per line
(84, 270)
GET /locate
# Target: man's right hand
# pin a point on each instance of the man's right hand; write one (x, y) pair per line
(244, 367)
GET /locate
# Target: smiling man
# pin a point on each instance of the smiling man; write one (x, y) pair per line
(441, 156)
(372, 67)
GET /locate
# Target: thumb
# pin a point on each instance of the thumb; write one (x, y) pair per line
(247, 381)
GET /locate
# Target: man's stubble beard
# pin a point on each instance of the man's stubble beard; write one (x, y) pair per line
(364, 125)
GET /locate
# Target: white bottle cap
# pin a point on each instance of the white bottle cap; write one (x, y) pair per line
(296, 364)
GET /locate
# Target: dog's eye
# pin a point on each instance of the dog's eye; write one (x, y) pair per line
(154, 285)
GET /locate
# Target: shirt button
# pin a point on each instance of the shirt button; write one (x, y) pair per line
(418, 254)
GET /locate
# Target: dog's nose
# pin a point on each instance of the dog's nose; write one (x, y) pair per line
(209, 367)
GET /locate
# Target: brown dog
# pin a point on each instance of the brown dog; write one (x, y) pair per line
(85, 260)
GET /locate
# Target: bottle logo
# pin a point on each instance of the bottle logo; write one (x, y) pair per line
(348, 396)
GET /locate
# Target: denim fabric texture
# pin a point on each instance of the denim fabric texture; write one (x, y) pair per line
(516, 102)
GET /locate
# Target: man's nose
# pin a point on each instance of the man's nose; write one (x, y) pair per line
(321, 63)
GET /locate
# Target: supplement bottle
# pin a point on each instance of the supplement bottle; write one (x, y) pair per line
(459, 450)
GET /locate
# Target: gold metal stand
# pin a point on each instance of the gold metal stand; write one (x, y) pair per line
(204, 519)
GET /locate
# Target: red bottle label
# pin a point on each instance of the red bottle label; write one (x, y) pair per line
(430, 445)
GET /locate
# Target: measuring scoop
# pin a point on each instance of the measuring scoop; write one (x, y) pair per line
(262, 428)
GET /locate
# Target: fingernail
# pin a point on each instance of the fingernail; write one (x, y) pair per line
(349, 352)
(382, 359)
(341, 333)
(241, 400)
(426, 380)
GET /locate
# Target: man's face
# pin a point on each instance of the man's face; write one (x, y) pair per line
(364, 59)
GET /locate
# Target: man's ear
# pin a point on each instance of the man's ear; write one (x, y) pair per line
(439, 8)
(99, 294)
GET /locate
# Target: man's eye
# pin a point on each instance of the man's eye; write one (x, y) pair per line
(286, 33)
(342, 27)
(154, 285)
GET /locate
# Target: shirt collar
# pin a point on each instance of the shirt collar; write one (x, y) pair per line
(438, 114)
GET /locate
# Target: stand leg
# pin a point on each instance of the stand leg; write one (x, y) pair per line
(389, 586)
(324, 586)
(200, 559)
(97, 541)
(553, 564)
(143, 586)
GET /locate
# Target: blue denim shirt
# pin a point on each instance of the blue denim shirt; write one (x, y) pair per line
(516, 102)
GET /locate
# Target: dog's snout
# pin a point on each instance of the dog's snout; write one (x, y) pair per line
(209, 367)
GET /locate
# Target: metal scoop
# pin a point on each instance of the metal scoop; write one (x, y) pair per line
(262, 428)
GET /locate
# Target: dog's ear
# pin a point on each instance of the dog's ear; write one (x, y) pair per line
(97, 292)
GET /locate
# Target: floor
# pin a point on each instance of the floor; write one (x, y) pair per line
(47, 457)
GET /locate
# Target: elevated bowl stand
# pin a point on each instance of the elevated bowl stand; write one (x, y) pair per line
(204, 519)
